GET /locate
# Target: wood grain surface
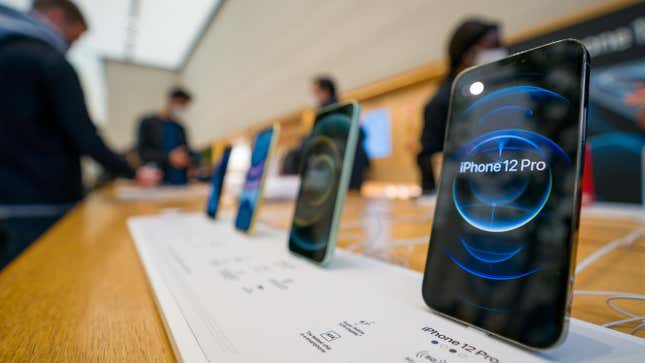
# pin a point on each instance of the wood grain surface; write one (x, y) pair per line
(80, 294)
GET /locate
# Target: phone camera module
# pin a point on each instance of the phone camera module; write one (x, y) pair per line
(476, 88)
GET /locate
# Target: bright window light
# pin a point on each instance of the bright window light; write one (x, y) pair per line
(162, 35)
(167, 29)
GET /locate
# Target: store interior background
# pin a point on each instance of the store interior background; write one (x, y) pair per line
(249, 63)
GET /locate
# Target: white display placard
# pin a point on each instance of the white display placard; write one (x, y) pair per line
(165, 192)
(228, 297)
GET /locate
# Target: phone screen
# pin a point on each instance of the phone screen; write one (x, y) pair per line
(504, 231)
(217, 183)
(324, 178)
(252, 190)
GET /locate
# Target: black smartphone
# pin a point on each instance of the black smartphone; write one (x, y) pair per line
(504, 234)
(217, 184)
(327, 160)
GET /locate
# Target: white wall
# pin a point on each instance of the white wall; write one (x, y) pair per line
(257, 57)
(133, 91)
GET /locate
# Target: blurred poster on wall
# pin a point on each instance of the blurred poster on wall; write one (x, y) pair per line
(378, 136)
(616, 123)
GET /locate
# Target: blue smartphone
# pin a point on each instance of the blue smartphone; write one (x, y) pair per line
(251, 197)
(217, 184)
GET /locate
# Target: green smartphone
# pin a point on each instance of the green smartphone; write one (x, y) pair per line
(327, 160)
(251, 197)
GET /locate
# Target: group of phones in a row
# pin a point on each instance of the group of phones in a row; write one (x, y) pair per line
(503, 239)
(327, 156)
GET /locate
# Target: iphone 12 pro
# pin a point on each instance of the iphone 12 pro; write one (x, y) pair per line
(502, 249)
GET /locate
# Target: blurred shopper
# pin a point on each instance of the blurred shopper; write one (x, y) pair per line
(474, 42)
(323, 93)
(162, 141)
(44, 124)
(323, 90)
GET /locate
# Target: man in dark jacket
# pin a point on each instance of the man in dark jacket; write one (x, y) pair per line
(162, 141)
(474, 42)
(44, 123)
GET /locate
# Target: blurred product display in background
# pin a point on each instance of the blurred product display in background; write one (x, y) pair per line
(616, 130)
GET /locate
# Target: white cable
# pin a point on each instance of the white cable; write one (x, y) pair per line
(621, 242)
(400, 243)
(624, 321)
(615, 295)
(627, 295)
(626, 241)
(364, 244)
(408, 219)
(637, 329)
(619, 310)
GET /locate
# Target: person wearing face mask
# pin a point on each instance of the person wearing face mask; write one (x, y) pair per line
(474, 42)
(323, 94)
(323, 91)
(45, 127)
(162, 141)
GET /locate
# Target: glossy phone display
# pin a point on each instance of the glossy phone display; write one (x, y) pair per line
(504, 234)
(217, 184)
(251, 196)
(328, 156)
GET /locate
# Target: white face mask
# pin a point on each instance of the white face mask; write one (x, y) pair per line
(490, 55)
(312, 101)
(178, 111)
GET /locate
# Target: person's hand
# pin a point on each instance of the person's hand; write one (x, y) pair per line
(148, 176)
(179, 157)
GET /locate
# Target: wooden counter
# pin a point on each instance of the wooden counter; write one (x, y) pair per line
(80, 293)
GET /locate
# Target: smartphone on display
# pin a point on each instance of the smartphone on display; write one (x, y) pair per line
(503, 243)
(251, 196)
(217, 184)
(327, 160)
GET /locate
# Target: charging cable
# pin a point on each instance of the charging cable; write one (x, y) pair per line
(613, 296)
(621, 242)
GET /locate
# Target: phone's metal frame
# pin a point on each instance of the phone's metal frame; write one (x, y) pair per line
(343, 183)
(267, 163)
(577, 197)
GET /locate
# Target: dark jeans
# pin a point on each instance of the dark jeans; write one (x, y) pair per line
(424, 161)
(16, 234)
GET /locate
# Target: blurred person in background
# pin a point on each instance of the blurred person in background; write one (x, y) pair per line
(323, 91)
(162, 140)
(474, 42)
(323, 94)
(45, 127)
